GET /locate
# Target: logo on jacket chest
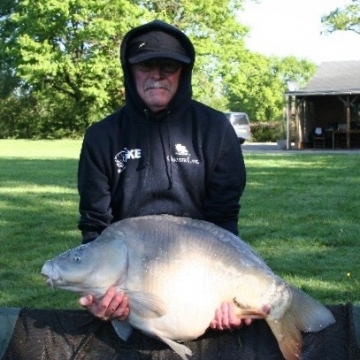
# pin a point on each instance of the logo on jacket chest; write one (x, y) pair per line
(124, 156)
(182, 155)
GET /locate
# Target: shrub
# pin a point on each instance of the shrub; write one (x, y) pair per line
(267, 131)
(270, 131)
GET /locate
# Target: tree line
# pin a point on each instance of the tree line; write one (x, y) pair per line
(60, 70)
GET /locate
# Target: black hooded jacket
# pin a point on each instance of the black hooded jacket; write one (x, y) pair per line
(185, 161)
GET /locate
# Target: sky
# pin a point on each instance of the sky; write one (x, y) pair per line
(293, 28)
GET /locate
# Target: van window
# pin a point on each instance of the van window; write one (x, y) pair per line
(239, 119)
(241, 124)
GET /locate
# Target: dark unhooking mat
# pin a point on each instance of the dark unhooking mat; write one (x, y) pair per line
(66, 334)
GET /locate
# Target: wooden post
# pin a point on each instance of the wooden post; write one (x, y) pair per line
(348, 116)
(288, 122)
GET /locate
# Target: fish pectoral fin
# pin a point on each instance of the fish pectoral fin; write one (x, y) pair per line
(145, 304)
(182, 350)
(122, 328)
(243, 312)
(250, 313)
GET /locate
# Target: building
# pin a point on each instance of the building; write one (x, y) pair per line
(327, 112)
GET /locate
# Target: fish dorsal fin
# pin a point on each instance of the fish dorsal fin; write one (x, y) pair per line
(145, 304)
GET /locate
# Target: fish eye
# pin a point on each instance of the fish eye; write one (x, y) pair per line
(77, 258)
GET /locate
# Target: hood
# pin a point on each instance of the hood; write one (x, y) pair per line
(182, 98)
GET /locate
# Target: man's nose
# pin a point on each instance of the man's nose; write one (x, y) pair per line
(157, 72)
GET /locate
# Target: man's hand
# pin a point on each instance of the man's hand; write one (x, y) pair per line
(114, 305)
(226, 319)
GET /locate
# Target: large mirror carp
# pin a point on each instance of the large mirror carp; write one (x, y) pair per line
(176, 272)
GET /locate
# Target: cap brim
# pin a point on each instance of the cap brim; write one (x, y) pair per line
(159, 55)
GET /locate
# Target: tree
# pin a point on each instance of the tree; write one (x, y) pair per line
(347, 18)
(68, 50)
(59, 60)
(70, 47)
(256, 85)
(8, 79)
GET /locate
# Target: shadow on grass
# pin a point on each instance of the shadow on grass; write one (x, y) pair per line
(38, 198)
(54, 172)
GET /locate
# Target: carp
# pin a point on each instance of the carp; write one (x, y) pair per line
(176, 272)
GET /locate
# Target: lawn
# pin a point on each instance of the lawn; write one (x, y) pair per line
(300, 211)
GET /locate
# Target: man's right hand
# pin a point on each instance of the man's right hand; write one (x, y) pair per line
(225, 318)
(114, 305)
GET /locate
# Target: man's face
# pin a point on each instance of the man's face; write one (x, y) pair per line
(156, 82)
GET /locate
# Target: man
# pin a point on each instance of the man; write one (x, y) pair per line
(161, 153)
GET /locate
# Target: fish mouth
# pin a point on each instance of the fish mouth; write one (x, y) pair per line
(51, 276)
(48, 280)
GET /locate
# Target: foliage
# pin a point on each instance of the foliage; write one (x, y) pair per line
(271, 131)
(256, 84)
(268, 131)
(70, 47)
(15, 115)
(36, 116)
(63, 56)
(347, 18)
(307, 234)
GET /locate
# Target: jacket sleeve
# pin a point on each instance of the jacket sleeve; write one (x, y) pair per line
(93, 186)
(226, 184)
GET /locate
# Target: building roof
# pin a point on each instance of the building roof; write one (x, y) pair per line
(333, 78)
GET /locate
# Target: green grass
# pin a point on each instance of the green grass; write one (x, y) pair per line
(300, 211)
(38, 207)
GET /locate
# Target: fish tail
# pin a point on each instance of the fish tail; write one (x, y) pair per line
(304, 314)
(310, 315)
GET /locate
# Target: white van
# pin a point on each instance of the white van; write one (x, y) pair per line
(240, 122)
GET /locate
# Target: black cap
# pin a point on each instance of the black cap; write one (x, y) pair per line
(155, 45)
